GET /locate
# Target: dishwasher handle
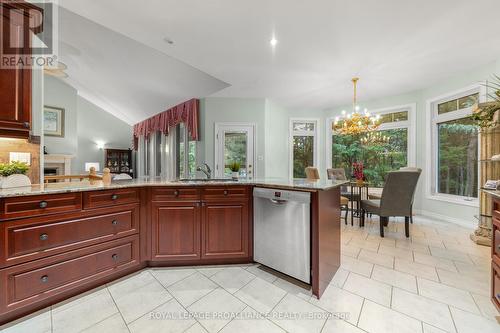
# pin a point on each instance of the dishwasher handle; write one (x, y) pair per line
(279, 201)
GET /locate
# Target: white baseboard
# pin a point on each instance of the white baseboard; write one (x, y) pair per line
(464, 223)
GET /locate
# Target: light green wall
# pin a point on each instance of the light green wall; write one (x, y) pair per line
(275, 121)
(231, 110)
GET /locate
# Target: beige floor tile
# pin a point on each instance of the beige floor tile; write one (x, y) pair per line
(340, 326)
(395, 278)
(232, 279)
(113, 324)
(131, 283)
(169, 276)
(431, 329)
(84, 314)
(422, 308)
(192, 288)
(251, 322)
(468, 322)
(409, 245)
(464, 282)
(209, 270)
(365, 244)
(217, 302)
(435, 261)
(379, 319)
(262, 274)
(196, 328)
(356, 266)
(340, 277)
(445, 294)
(486, 306)
(260, 295)
(450, 254)
(350, 250)
(375, 291)
(376, 258)
(299, 309)
(396, 252)
(294, 288)
(38, 322)
(413, 268)
(135, 303)
(170, 317)
(336, 300)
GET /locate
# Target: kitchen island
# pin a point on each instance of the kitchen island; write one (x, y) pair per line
(59, 240)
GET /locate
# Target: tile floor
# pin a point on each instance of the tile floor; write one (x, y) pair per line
(437, 281)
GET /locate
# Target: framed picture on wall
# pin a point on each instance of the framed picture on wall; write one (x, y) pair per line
(53, 121)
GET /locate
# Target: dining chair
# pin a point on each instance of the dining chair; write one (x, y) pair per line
(397, 199)
(345, 195)
(411, 169)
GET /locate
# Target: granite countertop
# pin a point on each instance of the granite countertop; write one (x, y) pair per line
(52, 188)
(493, 193)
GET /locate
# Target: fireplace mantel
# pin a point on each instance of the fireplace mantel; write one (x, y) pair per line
(61, 161)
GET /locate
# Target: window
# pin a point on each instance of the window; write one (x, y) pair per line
(303, 138)
(156, 158)
(454, 142)
(387, 149)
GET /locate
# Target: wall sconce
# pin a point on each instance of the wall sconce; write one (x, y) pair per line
(100, 144)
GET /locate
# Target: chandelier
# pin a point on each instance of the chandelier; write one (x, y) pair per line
(355, 122)
(375, 138)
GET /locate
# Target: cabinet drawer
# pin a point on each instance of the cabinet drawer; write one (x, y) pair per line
(225, 192)
(496, 209)
(28, 240)
(110, 198)
(34, 281)
(496, 241)
(29, 206)
(172, 193)
(495, 288)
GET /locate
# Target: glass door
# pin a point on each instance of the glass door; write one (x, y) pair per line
(235, 145)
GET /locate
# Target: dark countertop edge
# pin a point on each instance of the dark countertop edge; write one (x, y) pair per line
(32, 191)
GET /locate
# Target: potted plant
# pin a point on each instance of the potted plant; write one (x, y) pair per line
(357, 172)
(486, 114)
(235, 169)
(13, 174)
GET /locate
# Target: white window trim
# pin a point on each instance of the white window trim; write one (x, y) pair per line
(410, 124)
(216, 145)
(292, 133)
(431, 133)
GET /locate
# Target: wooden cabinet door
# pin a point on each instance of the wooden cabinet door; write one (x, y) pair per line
(225, 230)
(176, 231)
(15, 84)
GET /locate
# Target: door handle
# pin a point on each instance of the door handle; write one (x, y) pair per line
(278, 201)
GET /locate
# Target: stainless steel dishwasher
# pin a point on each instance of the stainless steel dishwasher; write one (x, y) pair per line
(282, 231)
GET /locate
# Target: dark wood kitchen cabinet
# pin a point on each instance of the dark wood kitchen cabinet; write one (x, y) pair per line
(207, 225)
(15, 81)
(226, 230)
(176, 231)
(495, 254)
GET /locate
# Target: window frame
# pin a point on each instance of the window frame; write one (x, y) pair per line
(433, 119)
(408, 124)
(292, 133)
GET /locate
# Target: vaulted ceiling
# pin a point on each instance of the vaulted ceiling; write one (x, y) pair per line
(221, 48)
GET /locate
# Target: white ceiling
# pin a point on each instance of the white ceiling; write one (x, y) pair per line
(394, 46)
(124, 77)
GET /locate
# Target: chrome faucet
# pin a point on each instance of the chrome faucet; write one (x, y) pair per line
(207, 171)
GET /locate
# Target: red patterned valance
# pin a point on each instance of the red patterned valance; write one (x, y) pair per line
(186, 113)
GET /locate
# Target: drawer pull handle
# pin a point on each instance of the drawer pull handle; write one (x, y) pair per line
(115, 222)
(114, 196)
(43, 204)
(44, 279)
(176, 193)
(226, 192)
(115, 257)
(44, 237)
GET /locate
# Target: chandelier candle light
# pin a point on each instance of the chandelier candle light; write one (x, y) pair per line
(355, 122)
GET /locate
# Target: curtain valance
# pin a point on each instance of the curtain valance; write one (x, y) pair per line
(186, 113)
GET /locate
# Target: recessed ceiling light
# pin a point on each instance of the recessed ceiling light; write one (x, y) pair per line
(168, 40)
(273, 41)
